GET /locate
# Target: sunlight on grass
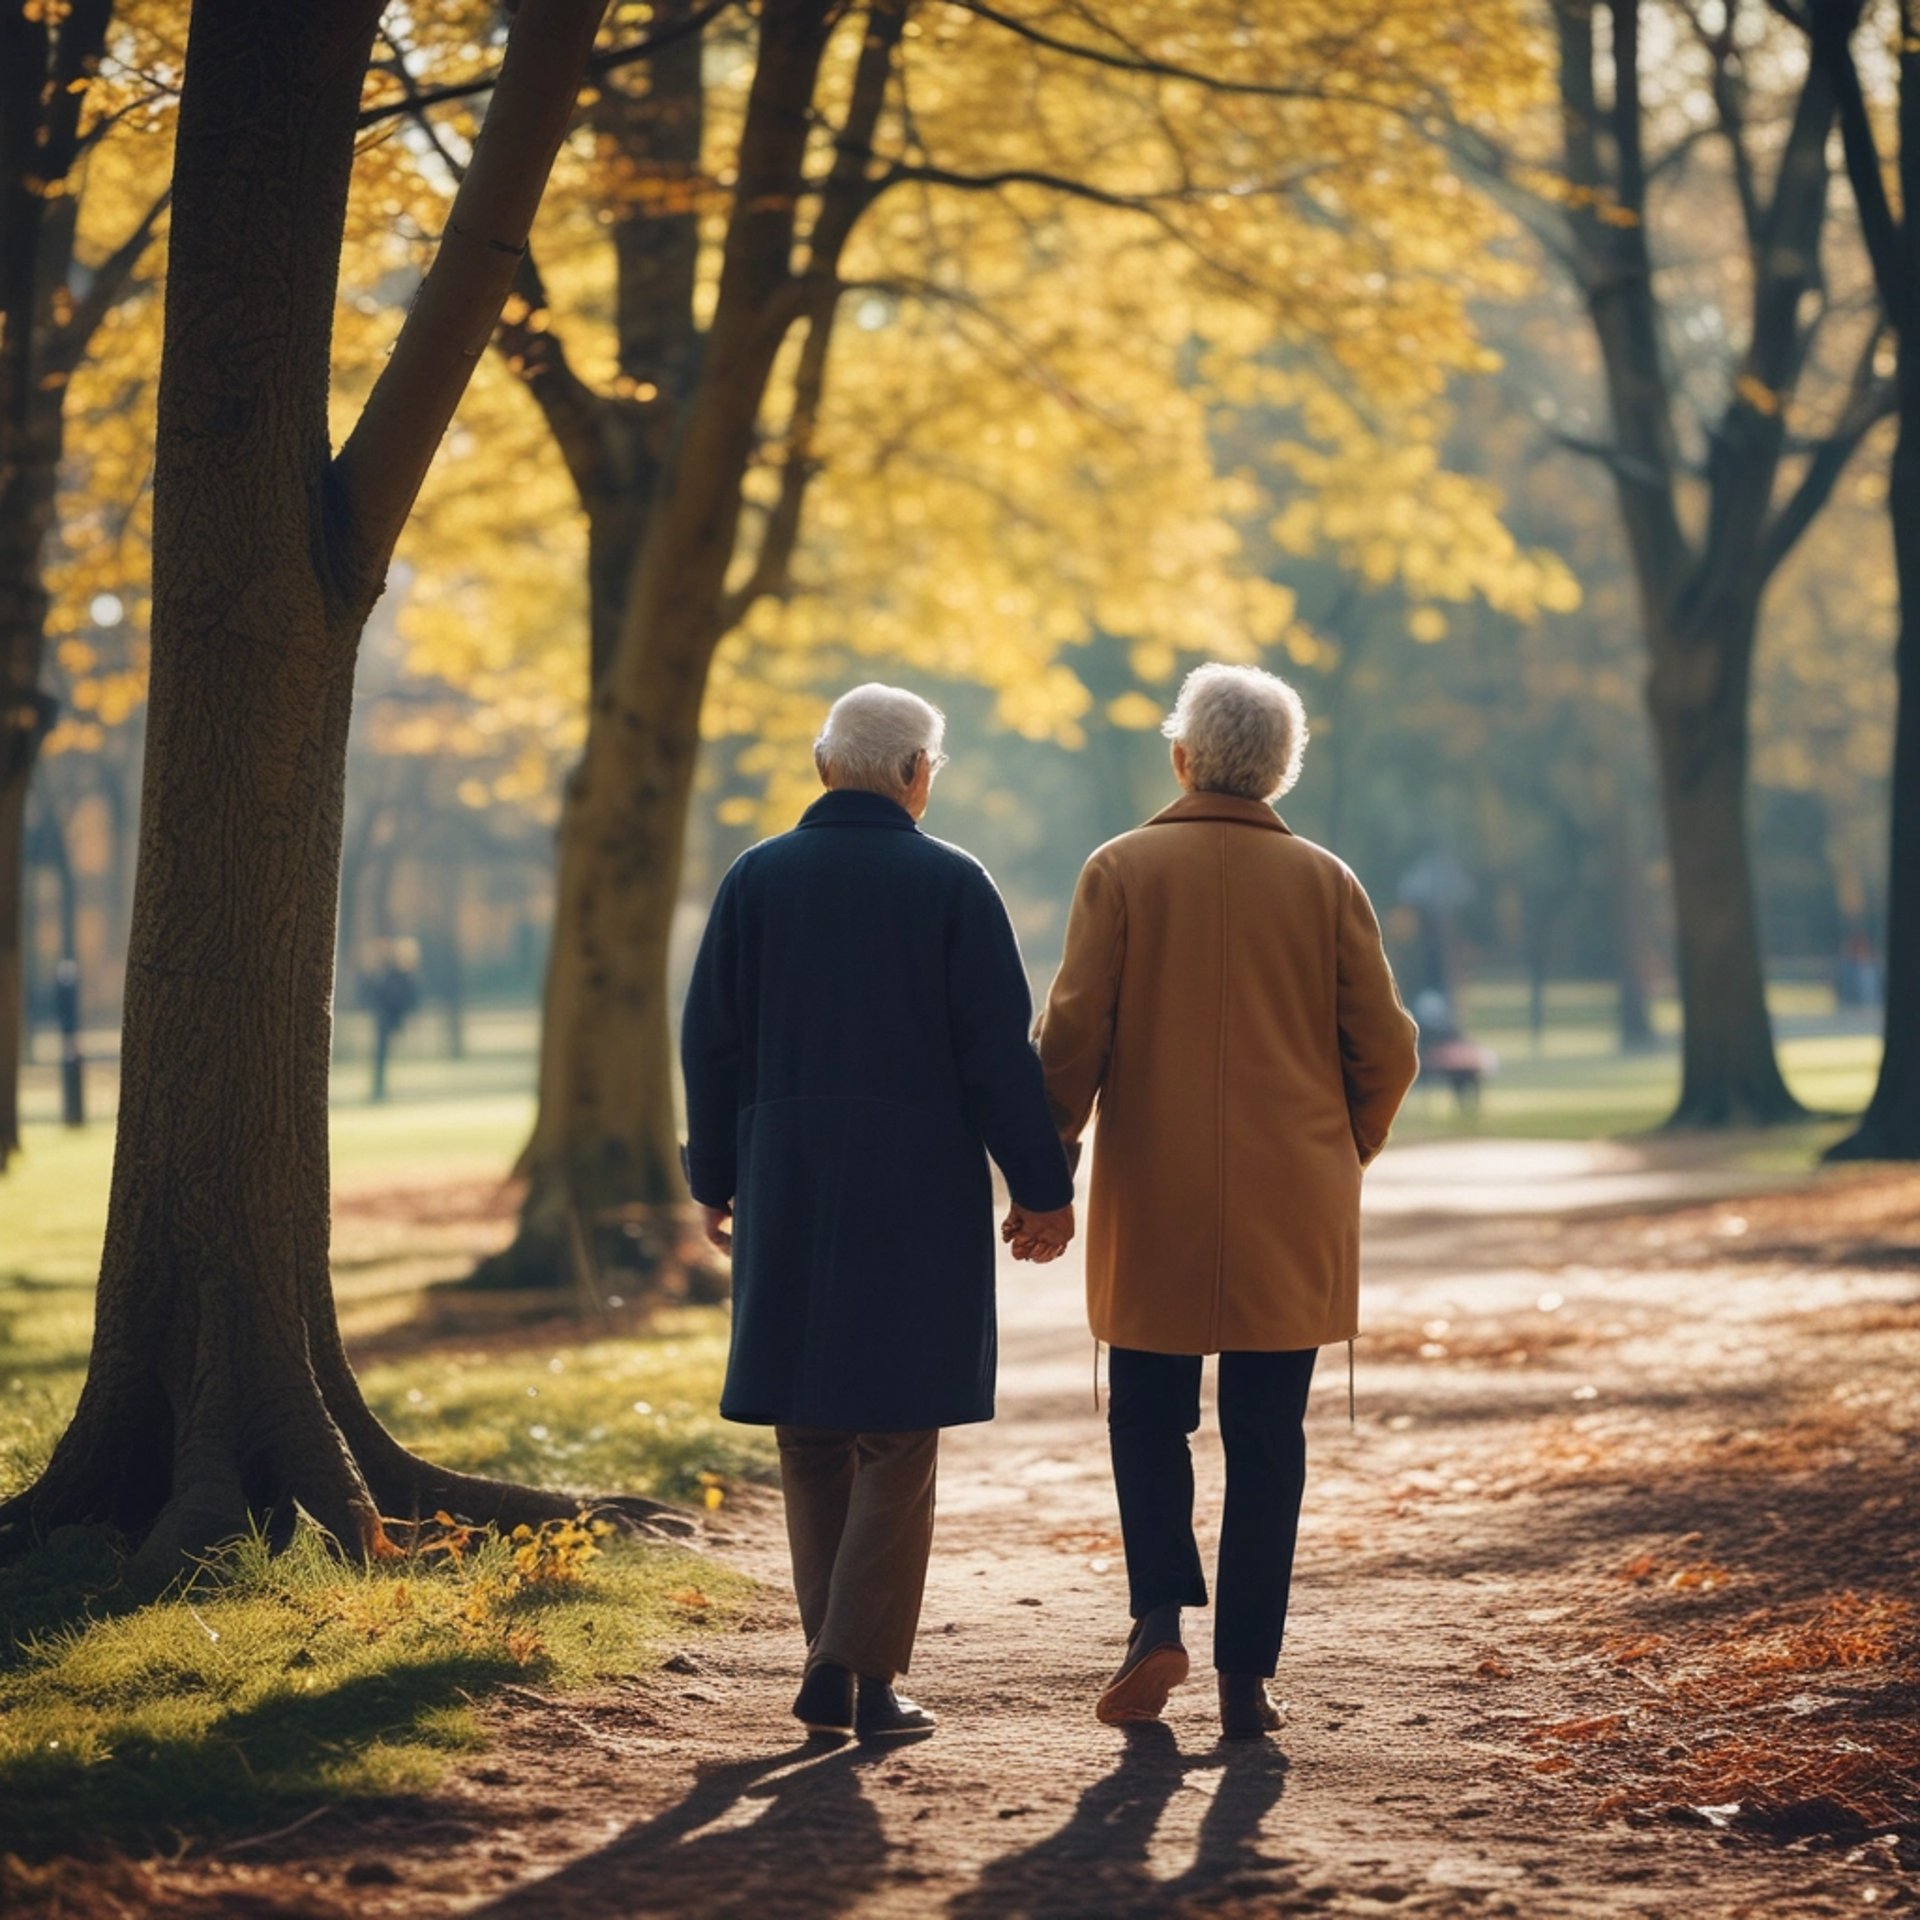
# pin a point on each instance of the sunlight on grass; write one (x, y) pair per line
(276, 1683)
(280, 1684)
(579, 1416)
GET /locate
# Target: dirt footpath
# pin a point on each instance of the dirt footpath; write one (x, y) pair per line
(1606, 1606)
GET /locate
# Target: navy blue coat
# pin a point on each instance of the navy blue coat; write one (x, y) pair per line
(855, 1045)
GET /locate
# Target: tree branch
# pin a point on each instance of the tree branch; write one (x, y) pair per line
(1786, 256)
(1628, 133)
(537, 354)
(1617, 460)
(1188, 194)
(849, 191)
(1729, 105)
(609, 61)
(377, 474)
(1615, 272)
(1801, 507)
(110, 281)
(1137, 63)
(1830, 29)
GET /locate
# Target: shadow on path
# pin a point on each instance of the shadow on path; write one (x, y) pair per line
(1098, 1863)
(800, 1841)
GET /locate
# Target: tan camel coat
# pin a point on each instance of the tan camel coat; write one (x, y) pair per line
(1225, 998)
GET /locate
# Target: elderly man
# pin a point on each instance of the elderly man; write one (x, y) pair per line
(856, 1045)
(1225, 998)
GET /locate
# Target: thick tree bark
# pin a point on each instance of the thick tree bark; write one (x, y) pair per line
(1890, 1127)
(1699, 699)
(605, 1142)
(218, 1391)
(606, 1137)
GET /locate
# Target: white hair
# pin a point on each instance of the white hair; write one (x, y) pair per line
(1245, 731)
(873, 735)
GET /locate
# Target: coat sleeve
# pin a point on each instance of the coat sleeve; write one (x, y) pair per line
(710, 1053)
(999, 1070)
(1379, 1043)
(1076, 1030)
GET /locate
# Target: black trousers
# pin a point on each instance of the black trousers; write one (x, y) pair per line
(1153, 1407)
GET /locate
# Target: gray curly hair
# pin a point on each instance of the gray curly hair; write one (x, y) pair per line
(1245, 731)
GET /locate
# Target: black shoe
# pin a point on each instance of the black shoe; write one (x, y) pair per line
(1247, 1709)
(884, 1715)
(1156, 1663)
(824, 1704)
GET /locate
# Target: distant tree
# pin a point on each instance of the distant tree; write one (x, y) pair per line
(1890, 1127)
(56, 290)
(218, 1392)
(1715, 475)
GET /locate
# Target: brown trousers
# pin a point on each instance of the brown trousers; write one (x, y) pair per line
(860, 1524)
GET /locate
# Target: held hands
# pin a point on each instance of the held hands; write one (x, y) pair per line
(718, 1223)
(1038, 1237)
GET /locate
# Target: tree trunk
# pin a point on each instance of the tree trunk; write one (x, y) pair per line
(607, 1136)
(26, 513)
(1890, 1127)
(218, 1392)
(1699, 599)
(1634, 1018)
(13, 978)
(48, 55)
(1698, 699)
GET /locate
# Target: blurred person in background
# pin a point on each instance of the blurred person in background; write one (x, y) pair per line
(1225, 1000)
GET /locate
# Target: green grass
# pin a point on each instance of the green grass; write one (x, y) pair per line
(276, 1685)
(1573, 1083)
(615, 1414)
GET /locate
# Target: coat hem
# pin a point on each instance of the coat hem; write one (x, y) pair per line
(816, 1417)
(1108, 1337)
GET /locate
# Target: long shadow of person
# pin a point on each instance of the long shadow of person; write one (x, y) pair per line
(1097, 1864)
(799, 1841)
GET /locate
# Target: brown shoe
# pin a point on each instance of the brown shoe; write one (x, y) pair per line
(1247, 1709)
(1156, 1663)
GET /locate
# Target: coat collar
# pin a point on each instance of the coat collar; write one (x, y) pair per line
(850, 807)
(1219, 806)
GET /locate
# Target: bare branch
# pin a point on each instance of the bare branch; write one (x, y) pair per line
(1616, 460)
(1628, 132)
(1830, 457)
(1677, 155)
(1831, 31)
(378, 472)
(1134, 62)
(110, 286)
(1730, 110)
(609, 61)
(525, 335)
(849, 191)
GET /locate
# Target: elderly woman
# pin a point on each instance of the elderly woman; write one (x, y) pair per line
(1225, 999)
(856, 1045)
